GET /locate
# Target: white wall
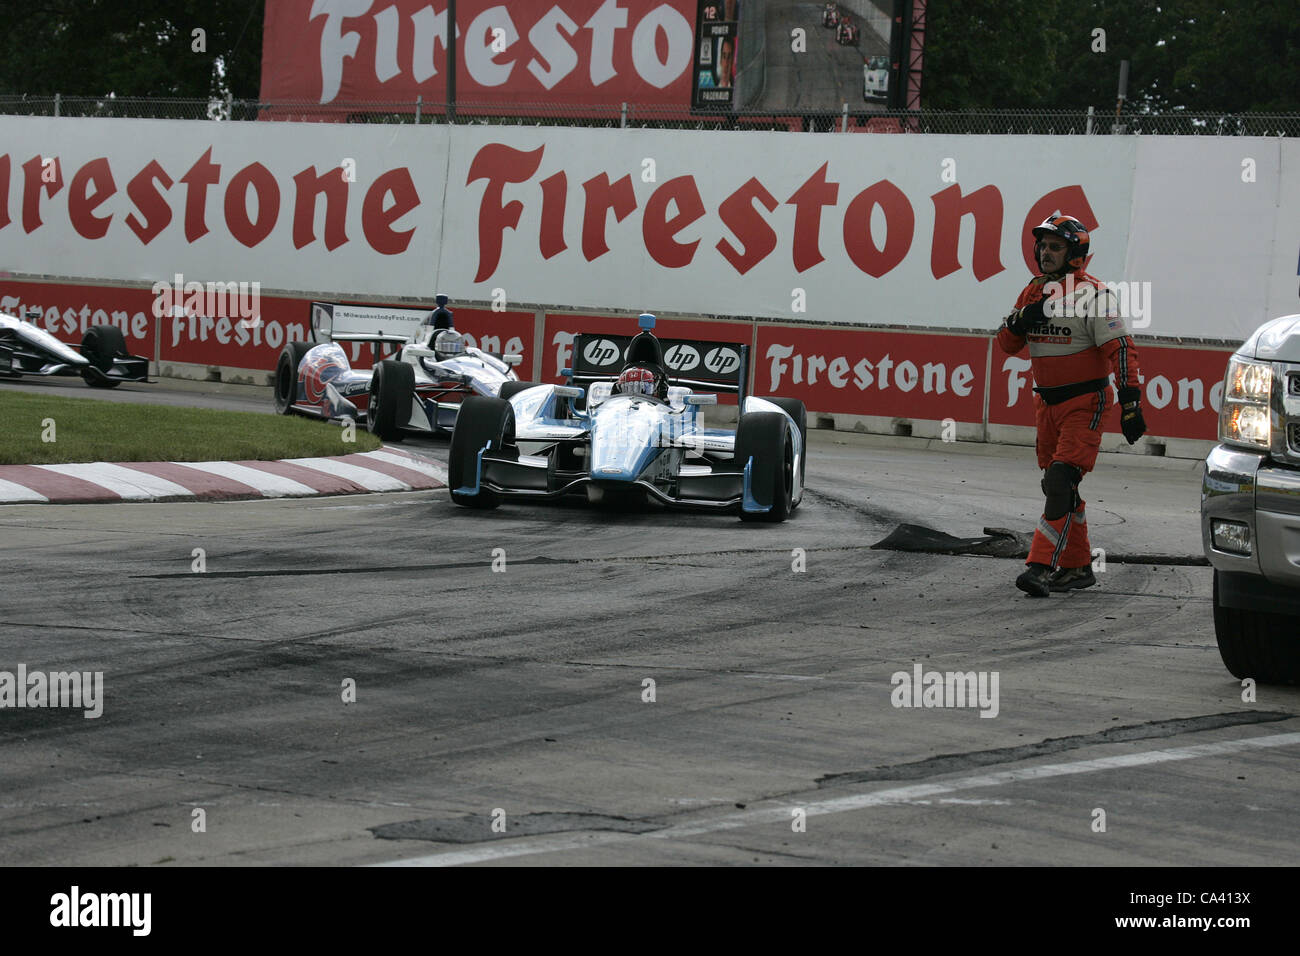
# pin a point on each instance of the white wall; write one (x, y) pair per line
(1219, 253)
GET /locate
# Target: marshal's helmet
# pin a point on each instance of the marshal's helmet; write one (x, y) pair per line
(1072, 231)
(642, 378)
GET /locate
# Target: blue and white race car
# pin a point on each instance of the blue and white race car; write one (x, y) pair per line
(637, 434)
(420, 390)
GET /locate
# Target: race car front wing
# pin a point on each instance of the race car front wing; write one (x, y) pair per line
(694, 487)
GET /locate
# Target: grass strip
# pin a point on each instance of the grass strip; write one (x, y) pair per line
(50, 430)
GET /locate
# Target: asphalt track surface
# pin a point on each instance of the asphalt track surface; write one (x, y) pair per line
(519, 695)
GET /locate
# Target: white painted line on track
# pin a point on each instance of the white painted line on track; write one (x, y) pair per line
(858, 801)
(365, 477)
(12, 493)
(433, 469)
(271, 486)
(128, 483)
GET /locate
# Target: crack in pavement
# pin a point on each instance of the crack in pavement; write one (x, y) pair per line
(952, 763)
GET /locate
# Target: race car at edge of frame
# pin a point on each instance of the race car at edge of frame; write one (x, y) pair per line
(634, 435)
(420, 390)
(103, 361)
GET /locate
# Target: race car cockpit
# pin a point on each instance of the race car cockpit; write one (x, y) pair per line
(645, 372)
(439, 321)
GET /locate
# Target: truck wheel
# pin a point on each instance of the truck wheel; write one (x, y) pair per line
(481, 421)
(763, 435)
(100, 345)
(392, 384)
(286, 375)
(1257, 644)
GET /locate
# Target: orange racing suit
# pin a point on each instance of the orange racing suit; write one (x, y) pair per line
(1071, 359)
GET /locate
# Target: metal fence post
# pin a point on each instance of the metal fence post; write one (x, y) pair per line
(58, 100)
(844, 115)
(622, 122)
(419, 99)
(1089, 120)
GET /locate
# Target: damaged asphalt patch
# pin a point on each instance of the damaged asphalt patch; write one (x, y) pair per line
(953, 763)
(476, 828)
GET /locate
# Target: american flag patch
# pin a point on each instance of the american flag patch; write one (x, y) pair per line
(1115, 325)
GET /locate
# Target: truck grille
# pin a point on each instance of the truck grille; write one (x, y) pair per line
(1293, 437)
(1293, 383)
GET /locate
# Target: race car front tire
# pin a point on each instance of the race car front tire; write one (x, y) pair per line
(392, 384)
(286, 375)
(796, 410)
(482, 421)
(100, 345)
(764, 436)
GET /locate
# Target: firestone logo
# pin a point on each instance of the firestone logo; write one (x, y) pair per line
(493, 49)
(675, 207)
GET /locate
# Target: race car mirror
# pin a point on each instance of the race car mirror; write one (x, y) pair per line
(513, 359)
(703, 399)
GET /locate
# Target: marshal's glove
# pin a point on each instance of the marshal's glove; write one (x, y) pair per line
(1022, 321)
(1131, 422)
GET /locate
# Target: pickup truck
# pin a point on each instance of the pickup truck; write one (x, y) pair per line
(1250, 507)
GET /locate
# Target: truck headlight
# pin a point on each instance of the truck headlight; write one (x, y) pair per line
(1244, 418)
(1230, 536)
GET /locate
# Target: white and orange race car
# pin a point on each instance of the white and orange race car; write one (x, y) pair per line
(420, 390)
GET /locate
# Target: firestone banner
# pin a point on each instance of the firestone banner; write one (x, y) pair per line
(912, 231)
(554, 52)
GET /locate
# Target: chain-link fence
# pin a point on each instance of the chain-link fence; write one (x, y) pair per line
(850, 118)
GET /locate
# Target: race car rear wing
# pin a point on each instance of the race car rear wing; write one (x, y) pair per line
(361, 323)
(696, 364)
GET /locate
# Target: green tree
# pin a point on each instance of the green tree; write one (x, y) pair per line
(137, 48)
(1234, 57)
(1194, 55)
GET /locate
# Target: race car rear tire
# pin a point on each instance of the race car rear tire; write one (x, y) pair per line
(286, 375)
(510, 389)
(392, 384)
(100, 345)
(764, 436)
(1257, 644)
(481, 421)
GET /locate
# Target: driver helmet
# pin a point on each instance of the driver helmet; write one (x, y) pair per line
(448, 343)
(1072, 231)
(642, 379)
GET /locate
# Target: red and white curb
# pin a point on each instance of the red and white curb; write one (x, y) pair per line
(361, 473)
